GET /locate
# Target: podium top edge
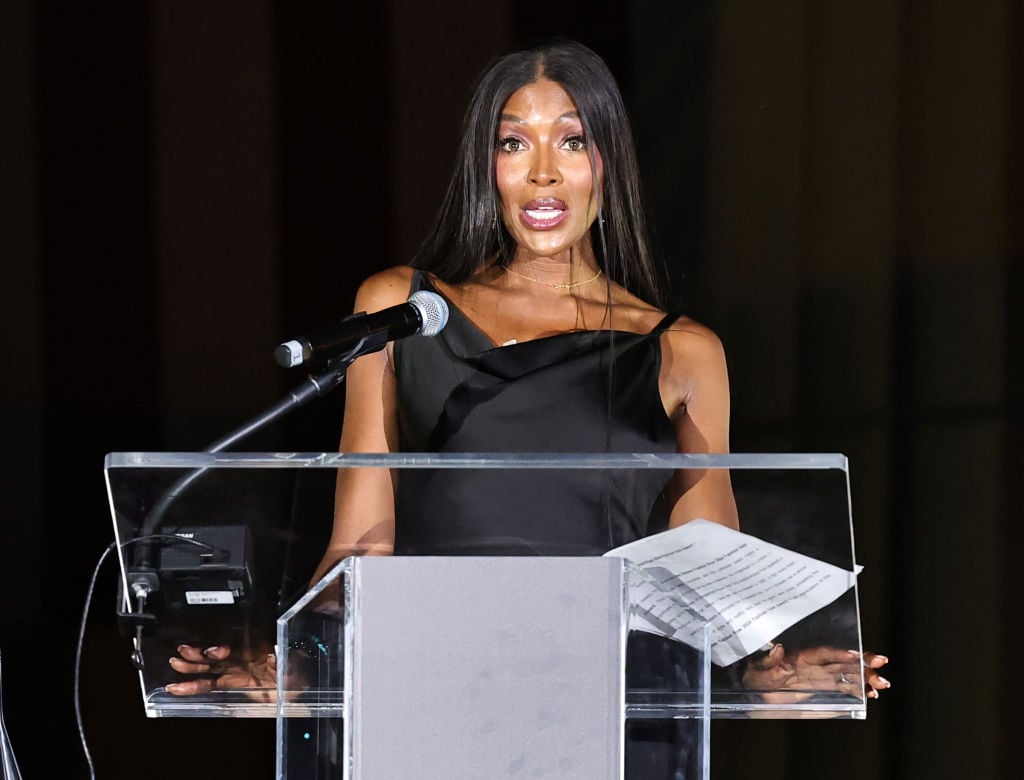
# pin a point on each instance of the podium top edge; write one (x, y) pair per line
(526, 460)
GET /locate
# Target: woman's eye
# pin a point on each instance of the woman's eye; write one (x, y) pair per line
(575, 143)
(510, 144)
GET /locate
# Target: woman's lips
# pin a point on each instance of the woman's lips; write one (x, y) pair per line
(544, 213)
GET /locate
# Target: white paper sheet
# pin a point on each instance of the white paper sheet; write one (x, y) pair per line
(748, 590)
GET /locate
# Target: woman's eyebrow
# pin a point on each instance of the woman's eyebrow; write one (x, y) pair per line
(520, 121)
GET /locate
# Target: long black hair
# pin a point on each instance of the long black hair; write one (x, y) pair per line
(468, 228)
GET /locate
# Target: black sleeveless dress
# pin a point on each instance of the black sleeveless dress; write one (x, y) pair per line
(586, 391)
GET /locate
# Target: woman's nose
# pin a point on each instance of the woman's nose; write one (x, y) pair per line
(543, 170)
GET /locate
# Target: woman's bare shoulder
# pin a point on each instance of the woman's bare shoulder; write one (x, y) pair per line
(688, 337)
(695, 378)
(389, 287)
(688, 329)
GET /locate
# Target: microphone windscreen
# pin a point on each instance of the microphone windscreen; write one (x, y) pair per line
(433, 311)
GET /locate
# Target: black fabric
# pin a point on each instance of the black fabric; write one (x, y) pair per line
(587, 391)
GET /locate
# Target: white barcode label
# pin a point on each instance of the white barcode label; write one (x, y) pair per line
(209, 597)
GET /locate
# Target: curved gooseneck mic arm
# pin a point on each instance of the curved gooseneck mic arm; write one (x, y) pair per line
(142, 578)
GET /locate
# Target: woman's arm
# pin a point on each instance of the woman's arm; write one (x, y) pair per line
(695, 383)
(364, 508)
(364, 512)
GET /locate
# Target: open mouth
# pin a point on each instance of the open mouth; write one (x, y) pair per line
(544, 214)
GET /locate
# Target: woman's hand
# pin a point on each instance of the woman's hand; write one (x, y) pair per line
(220, 670)
(784, 677)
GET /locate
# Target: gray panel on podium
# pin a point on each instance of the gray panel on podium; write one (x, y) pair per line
(487, 667)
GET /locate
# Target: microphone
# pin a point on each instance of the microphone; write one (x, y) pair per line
(425, 313)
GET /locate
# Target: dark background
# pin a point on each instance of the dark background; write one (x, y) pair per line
(836, 188)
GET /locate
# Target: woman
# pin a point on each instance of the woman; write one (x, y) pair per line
(557, 341)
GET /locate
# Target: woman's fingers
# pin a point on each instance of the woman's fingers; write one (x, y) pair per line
(191, 687)
(876, 682)
(875, 660)
(185, 666)
(873, 681)
(204, 654)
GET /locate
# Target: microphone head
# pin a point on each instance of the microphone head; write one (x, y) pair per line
(433, 311)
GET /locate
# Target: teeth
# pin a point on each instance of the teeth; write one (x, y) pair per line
(544, 213)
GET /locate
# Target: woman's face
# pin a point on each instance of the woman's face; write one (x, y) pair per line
(543, 170)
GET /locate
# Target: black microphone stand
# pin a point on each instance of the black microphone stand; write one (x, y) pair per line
(144, 577)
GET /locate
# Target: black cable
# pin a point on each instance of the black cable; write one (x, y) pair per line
(314, 385)
(78, 658)
(85, 615)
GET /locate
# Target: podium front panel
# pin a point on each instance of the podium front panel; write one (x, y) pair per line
(215, 548)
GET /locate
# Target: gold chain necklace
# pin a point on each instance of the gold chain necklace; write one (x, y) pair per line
(562, 286)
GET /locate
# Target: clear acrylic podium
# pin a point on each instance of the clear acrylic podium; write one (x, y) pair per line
(455, 666)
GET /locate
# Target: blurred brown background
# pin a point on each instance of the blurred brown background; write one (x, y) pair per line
(837, 189)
